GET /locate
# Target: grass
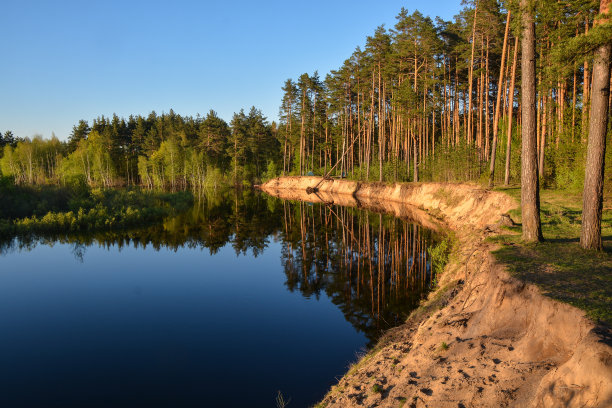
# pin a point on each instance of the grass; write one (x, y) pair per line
(558, 266)
(280, 400)
(361, 360)
(448, 197)
(377, 388)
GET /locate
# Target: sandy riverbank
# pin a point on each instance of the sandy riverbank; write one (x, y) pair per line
(483, 338)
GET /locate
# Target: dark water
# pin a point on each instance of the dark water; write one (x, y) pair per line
(241, 297)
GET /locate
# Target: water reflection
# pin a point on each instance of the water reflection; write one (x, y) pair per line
(374, 267)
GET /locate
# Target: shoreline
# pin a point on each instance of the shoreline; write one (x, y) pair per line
(483, 338)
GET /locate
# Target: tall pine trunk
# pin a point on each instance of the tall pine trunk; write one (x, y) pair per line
(497, 103)
(585, 90)
(380, 128)
(302, 143)
(592, 196)
(530, 190)
(510, 111)
(470, 80)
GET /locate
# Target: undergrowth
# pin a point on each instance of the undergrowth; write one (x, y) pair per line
(53, 209)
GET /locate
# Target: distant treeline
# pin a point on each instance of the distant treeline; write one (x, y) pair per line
(165, 151)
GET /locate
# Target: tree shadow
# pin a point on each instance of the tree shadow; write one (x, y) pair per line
(566, 272)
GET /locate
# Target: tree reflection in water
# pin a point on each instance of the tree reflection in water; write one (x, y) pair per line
(374, 267)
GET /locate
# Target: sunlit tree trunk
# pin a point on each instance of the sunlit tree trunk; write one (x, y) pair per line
(545, 107)
(380, 128)
(303, 124)
(470, 79)
(574, 107)
(510, 111)
(530, 191)
(486, 102)
(498, 103)
(592, 196)
(585, 90)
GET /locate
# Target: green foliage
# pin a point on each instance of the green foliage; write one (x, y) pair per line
(271, 172)
(579, 47)
(438, 255)
(161, 152)
(91, 160)
(568, 164)
(215, 180)
(50, 209)
(79, 132)
(461, 163)
(22, 201)
(377, 388)
(32, 160)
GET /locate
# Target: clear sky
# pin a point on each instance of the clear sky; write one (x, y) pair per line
(62, 61)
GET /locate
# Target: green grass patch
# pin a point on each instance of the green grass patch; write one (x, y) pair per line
(377, 388)
(448, 197)
(559, 266)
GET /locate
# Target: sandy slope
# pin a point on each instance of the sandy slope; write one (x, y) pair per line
(504, 343)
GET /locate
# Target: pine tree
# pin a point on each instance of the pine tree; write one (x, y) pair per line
(214, 134)
(590, 236)
(530, 189)
(79, 132)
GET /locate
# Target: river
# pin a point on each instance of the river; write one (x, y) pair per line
(241, 297)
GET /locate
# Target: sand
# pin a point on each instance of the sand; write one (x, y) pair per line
(483, 338)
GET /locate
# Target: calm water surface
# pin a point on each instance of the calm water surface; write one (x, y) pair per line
(241, 297)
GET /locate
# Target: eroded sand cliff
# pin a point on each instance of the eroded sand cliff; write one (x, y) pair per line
(483, 338)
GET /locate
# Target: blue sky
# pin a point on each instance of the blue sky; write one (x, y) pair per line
(68, 60)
